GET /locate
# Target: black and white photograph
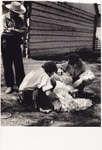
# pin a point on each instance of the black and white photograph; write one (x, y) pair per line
(50, 64)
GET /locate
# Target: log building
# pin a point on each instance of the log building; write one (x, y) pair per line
(57, 28)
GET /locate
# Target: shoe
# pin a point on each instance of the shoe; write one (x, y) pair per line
(45, 110)
(9, 90)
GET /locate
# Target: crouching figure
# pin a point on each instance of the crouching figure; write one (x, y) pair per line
(37, 89)
(71, 79)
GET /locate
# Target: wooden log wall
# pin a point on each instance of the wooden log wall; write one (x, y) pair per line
(60, 28)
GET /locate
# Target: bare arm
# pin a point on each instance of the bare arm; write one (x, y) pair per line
(77, 83)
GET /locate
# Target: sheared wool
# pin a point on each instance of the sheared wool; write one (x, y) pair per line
(68, 103)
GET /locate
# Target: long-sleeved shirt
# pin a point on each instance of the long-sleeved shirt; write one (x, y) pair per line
(13, 26)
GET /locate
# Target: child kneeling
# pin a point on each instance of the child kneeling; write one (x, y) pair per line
(37, 89)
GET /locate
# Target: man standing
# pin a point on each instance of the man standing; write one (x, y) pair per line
(13, 30)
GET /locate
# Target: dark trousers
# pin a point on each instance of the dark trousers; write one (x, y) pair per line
(38, 99)
(12, 56)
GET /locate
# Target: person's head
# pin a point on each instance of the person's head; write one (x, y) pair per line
(73, 59)
(75, 65)
(13, 14)
(50, 68)
(16, 8)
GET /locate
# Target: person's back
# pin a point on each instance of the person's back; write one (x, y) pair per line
(37, 78)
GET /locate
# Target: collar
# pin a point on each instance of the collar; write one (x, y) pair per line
(7, 15)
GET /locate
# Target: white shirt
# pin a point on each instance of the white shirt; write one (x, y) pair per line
(39, 79)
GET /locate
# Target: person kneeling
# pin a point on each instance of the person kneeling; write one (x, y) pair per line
(37, 89)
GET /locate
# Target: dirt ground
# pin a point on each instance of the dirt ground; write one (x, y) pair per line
(13, 114)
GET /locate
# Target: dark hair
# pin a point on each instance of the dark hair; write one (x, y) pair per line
(75, 66)
(50, 67)
(73, 59)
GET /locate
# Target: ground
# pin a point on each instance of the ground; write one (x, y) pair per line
(13, 114)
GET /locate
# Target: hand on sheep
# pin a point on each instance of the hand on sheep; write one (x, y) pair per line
(57, 105)
(74, 93)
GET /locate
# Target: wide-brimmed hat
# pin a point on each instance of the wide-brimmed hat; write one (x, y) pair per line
(16, 7)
